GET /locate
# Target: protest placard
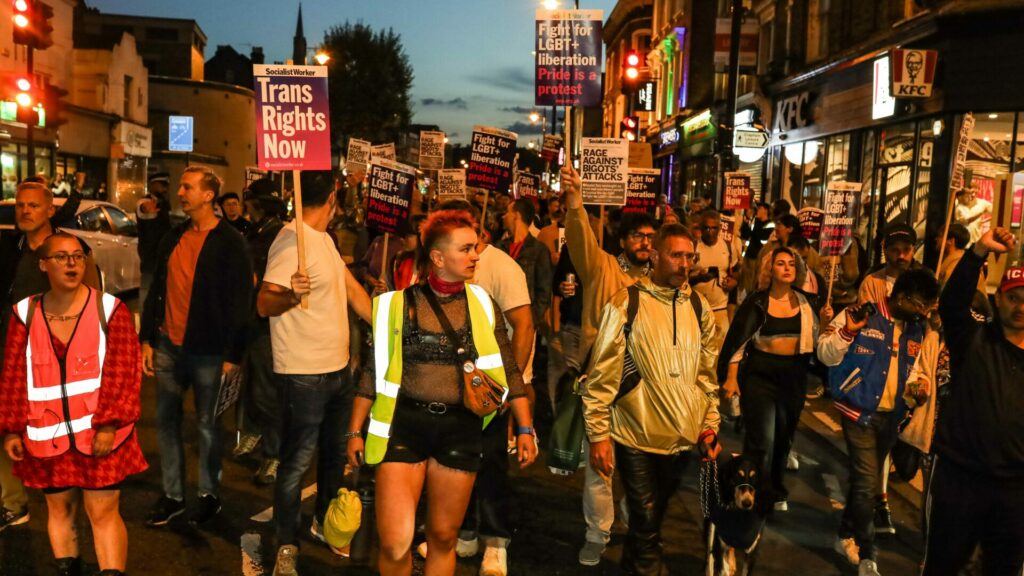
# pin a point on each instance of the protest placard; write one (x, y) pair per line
(640, 155)
(390, 196)
(604, 171)
(811, 219)
(642, 191)
(359, 152)
(293, 129)
(551, 148)
(451, 185)
(568, 57)
(736, 194)
(527, 185)
(728, 231)
(383, 151)
(491, 159)
(841, 206)
(431, 150)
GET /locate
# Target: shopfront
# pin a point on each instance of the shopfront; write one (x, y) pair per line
(666, 146)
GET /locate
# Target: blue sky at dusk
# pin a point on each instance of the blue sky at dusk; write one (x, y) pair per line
(471, 59)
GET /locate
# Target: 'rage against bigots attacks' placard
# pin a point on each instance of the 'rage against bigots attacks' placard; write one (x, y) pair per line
(383, 151)
(840, 216)
(358, 154)
(451, 185)
(568, 58)
(431, 150)
(293, 129)
(391, 187)
(642, 191)
(604, 170)
(491, 159)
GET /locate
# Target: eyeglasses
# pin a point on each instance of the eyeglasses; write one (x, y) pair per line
(693, 257)
(63, 258)
(918, 303)
(637, 236)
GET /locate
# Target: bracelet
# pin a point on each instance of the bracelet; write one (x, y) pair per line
(351, 435)
(520, 430)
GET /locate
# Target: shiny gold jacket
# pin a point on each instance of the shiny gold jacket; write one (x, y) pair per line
(677, 397)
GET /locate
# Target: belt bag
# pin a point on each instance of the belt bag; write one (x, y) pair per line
(481, 395)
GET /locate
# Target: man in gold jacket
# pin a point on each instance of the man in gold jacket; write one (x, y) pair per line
(651, 395)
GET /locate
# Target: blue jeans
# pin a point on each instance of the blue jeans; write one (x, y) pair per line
(176, 370)
(315, 413)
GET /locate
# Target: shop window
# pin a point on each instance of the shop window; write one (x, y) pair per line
(988, 160)
(924, 181)
(838, 166)
(8, 165)
(895, 171)
(802, 173)
(868, 193)
(1017, 182)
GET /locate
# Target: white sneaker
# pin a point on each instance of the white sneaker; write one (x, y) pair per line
(848, 549)
(781, 506)
(495, 562)
(285, 565)
(868, 568)
(590, 554)
(467, 548)
(792, 462)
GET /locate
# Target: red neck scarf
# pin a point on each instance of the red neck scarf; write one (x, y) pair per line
(443, 286)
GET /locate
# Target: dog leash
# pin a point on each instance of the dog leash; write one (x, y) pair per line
(710, 497)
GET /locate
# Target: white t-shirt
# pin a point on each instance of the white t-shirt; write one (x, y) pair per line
(502, 277)
(716, 255)
(313, 341)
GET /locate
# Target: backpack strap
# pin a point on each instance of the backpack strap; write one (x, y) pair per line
(698, 308)
(630, 374)
(99, 311)
(32, 303)
(632, 307)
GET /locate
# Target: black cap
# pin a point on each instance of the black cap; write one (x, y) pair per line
(899, 233)
(263, 187)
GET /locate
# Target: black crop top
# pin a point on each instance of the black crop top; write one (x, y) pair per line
(775, 327)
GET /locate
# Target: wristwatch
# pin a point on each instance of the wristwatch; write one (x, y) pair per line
(520, 430)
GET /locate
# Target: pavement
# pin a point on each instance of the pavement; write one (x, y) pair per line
(546, 516)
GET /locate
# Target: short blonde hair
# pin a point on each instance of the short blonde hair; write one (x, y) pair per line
(209, 181)
(37, 186)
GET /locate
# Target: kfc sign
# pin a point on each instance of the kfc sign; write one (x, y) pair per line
(913, 73)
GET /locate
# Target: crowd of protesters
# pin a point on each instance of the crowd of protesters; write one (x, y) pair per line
(415, 353)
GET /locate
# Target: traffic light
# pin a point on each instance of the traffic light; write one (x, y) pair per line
(21, 92)
(53, 106)
(631, 69)
(32, 24)
(629, 128)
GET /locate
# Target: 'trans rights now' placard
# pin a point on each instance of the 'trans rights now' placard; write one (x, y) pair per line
(391, 186)
(604, 170)
(293, 129)
(491, 160)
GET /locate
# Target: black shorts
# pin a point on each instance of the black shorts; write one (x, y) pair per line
(450, 434)
(53, 490)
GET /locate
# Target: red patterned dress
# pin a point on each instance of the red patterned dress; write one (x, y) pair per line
(118, 405)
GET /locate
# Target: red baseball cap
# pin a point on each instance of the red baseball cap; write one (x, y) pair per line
(1012, 278)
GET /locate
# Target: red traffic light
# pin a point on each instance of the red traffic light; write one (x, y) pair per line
(32, 24)
(629, 128)
(631, 66)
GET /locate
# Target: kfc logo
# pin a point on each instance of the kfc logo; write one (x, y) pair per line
(913, 73)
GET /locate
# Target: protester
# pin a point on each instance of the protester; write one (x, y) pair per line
(787, 226)
(91, 410)
(715, 271)
(260, 407)
(976, 493)
(764, 361)
(193, 334)
(311, 352)
(665, 356)
(563, 349)
(234, 212)
(153, 215)
(427, 437)
(602, 276)
(531, 256)
(21, 276)
(755, 232)
(407, 267)
(871, 355)
(972, 212)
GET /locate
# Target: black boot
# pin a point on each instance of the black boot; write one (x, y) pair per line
(69, 566)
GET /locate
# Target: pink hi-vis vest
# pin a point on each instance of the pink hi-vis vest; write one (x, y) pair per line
(63, 394)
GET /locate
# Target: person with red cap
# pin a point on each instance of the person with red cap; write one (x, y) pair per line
(976, 491)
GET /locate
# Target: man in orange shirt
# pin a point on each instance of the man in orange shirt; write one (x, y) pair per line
(193, 331)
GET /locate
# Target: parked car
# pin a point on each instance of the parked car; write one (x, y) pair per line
(112, 235)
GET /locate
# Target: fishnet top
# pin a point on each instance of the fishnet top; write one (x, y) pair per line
(430, 368)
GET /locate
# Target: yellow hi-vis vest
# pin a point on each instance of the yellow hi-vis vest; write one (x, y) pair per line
(388, 320)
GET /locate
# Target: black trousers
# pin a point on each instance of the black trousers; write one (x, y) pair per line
(772, 389)
(964, 509)
(488, 512)
(649, 480)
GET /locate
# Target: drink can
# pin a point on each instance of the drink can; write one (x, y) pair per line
(570, 278)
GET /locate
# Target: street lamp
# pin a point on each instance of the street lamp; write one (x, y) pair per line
(322, 57)
(550, 4)
(535, 117)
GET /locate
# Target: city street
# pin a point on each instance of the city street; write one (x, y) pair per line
(547, 517)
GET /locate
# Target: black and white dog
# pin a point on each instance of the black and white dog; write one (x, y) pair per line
(734, 530)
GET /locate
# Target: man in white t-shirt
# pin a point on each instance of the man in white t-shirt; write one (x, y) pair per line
(973, 212)
(310, 344)
(715, 276)
(487, 517)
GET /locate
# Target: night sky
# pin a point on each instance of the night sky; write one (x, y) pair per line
(471, 59)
